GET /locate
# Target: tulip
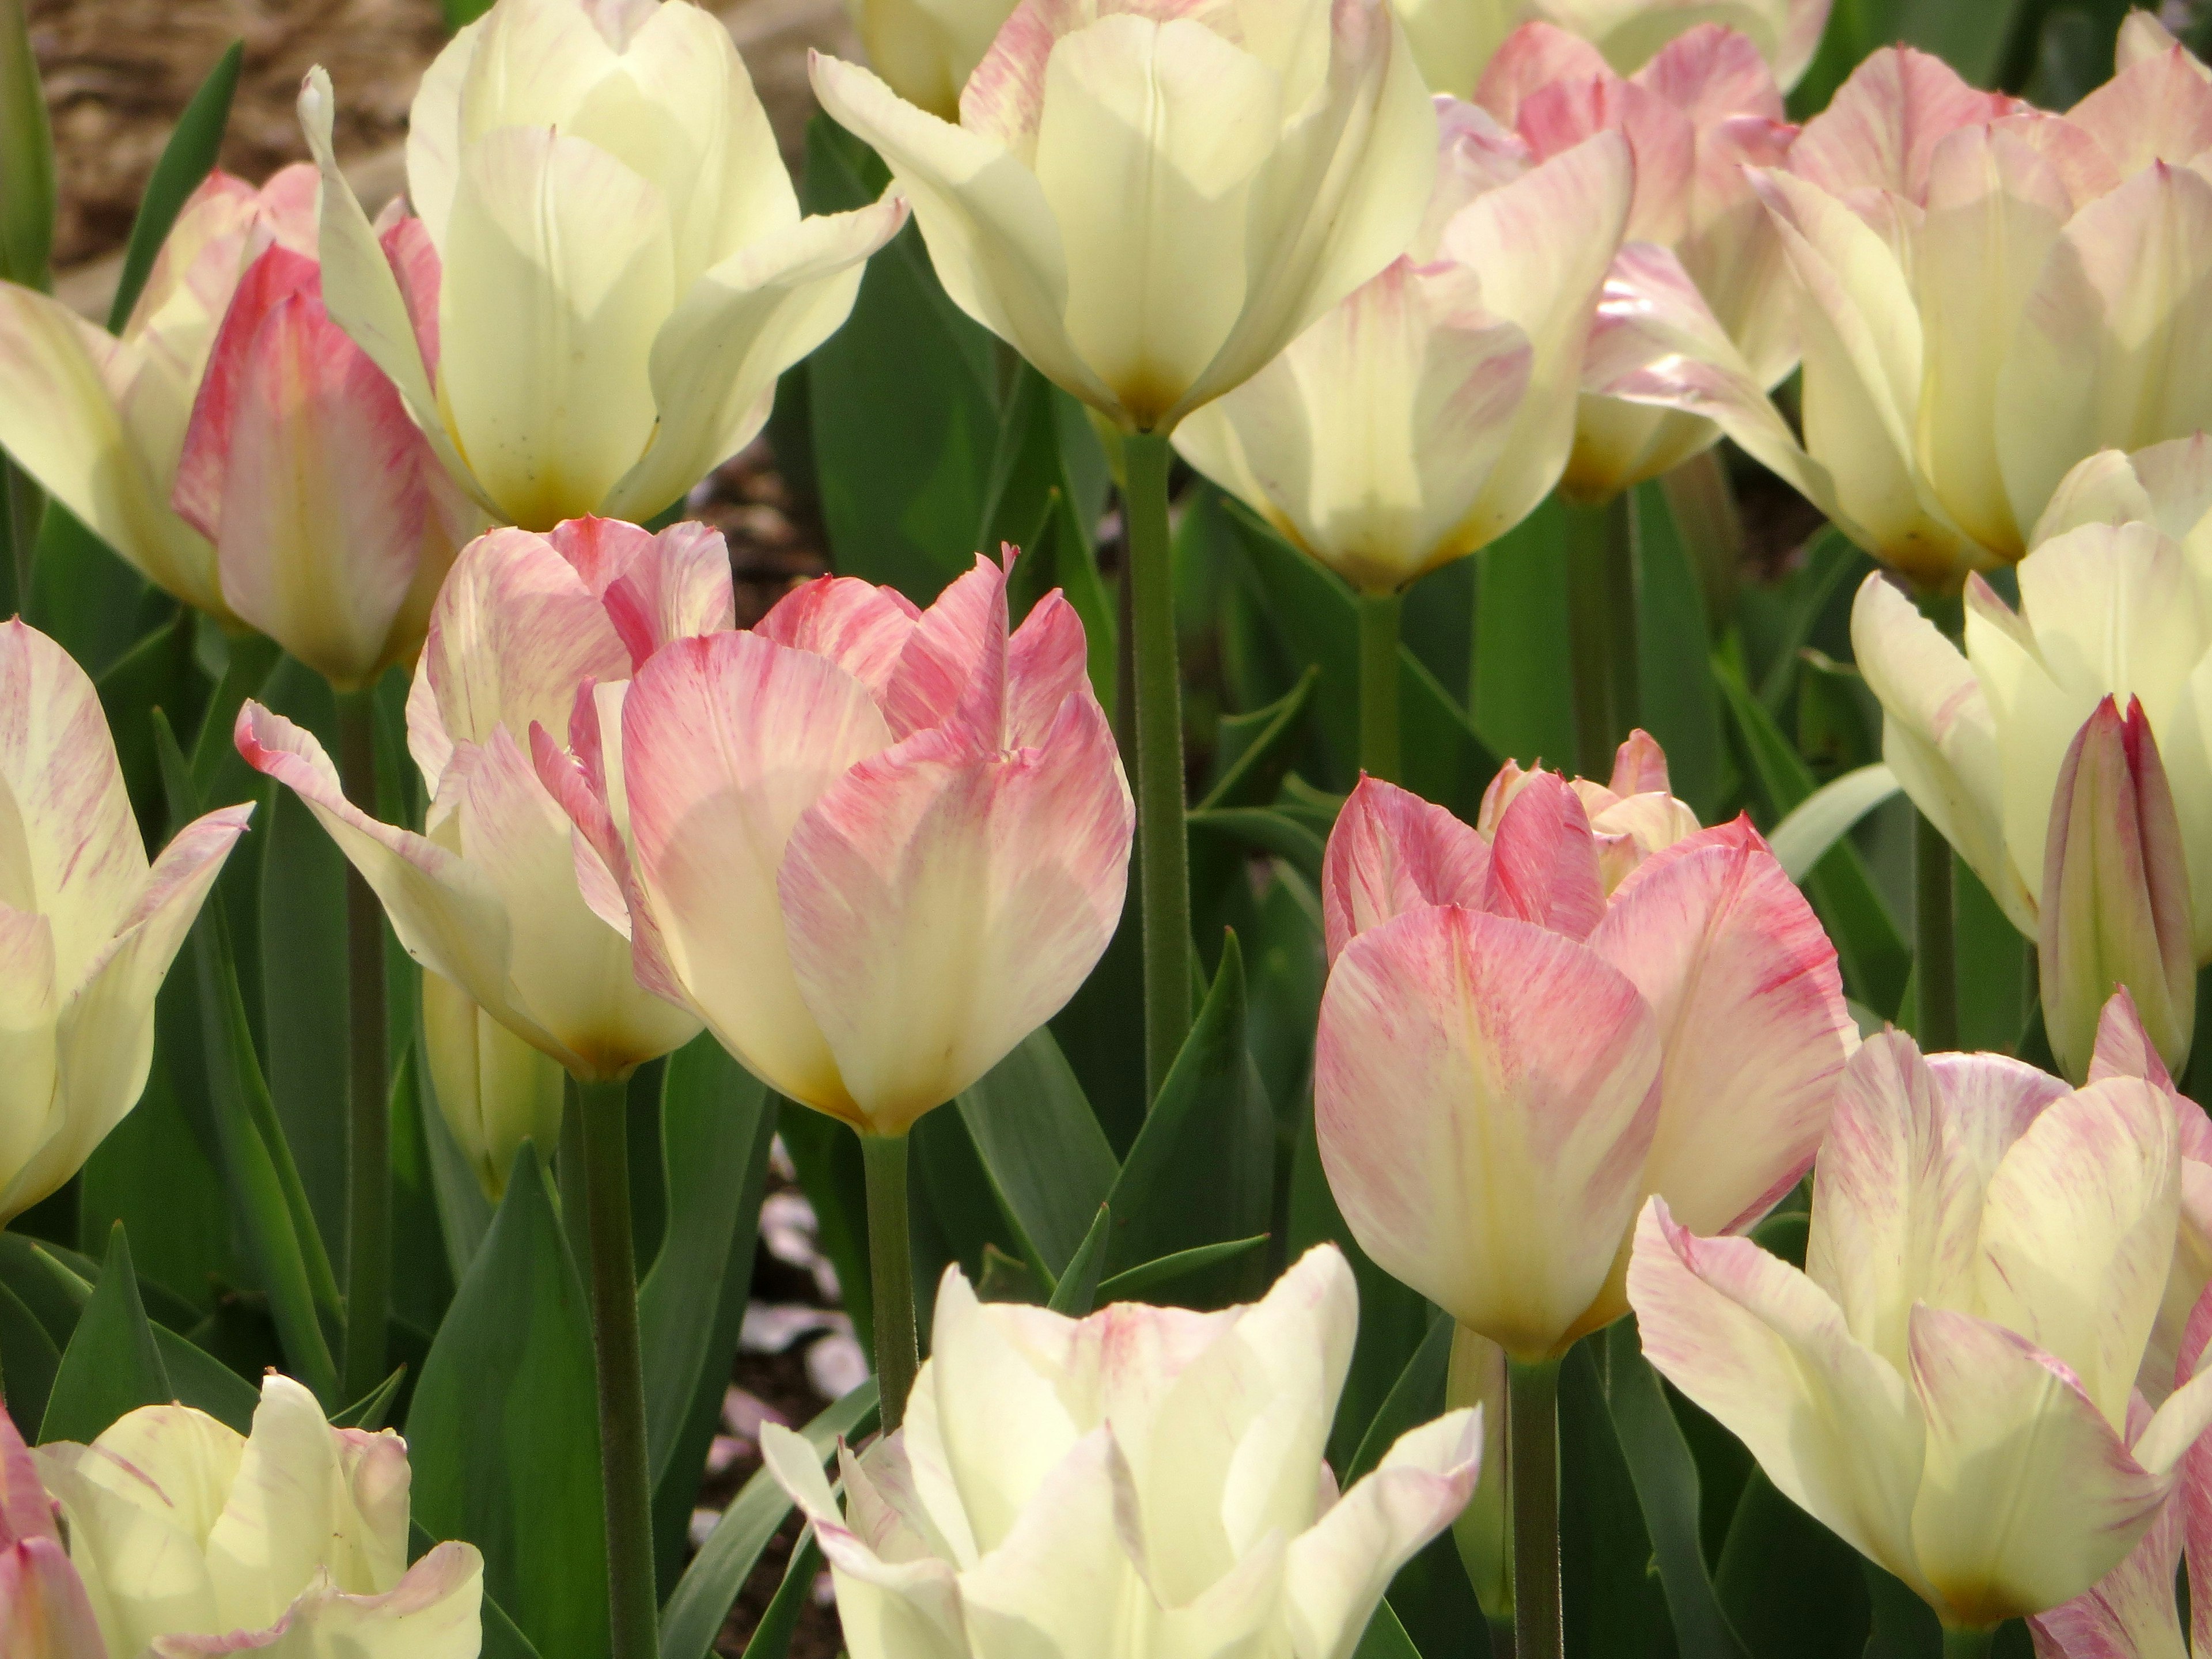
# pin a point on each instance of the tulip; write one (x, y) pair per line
(44, 1611)
(90, 927)
(2118, 886)
(621, 269)
(1948, 1385)
(1455, 41)
(1147, 1480)
(1433, 410)
(926, 50)
(493, 1089)
(193, 1539)
(1696, 117)
(99, 420)
(1990, 294)
(1979, 739)
(1512, 1057)
(332, 522)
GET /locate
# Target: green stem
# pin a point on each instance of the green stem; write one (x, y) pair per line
(623, 1462)
(1935, 954)
(890, 1272)
(1163, 852)
(1968, 1644)
(368, 1160)
(1601, 550)
(1380, 615)
(1532, 1406)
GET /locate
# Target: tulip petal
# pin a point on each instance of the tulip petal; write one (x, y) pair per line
(282, 1513)
(435, 1611)
(1761, 1347)
(654, 588)
(1544, 864)
(859, 626)
(1485, 1093)
(494, 1089)
(1391, 852)
(942, 901)
(1881, 129)
(44, 1611)
(2158, 108)
(2129, 1612)
(2028, 1497)
(1743, 982)
(715, 360)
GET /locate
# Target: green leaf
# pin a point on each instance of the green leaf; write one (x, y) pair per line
(1077, 1293)
(1385, 1638)
(374, 1409)
(87, 597)
(1824, 817)
(27, 158)
(1133, 1283)
(1268, 830)
(185, 160)
(113, 1365)
(1417, 1396)
(771, 1638)
(1252, 753)
(1201, 1171)
(1996, 967)
(1043, 1149)
(219, 772)
(1794, 611)
(693, 1617)
(1033, 504)
(1675, 689)
(827, 1155)
(1523, 679)
(503, 1435)
(1613, 1601)
(158, 672)
(29, 1360)
(1778, 1563)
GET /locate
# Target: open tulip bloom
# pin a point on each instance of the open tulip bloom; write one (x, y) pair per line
(1146, 1481)
(619, 266)
(1456, 40)
(1956, 1382)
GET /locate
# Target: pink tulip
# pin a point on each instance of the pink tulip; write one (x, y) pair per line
(332, 520)
(1514, 1053)
(1961, 1381)
(872, 849)
(1700, 112)
(44, 1611)
(494, 895)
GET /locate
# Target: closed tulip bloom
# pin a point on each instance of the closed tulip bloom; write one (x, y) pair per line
(1146, 1481)
(1952, 1382)
(1434, 409)
(332, 521)
(1979, 739)
(1511, 1057)
(99, 420)
(1455, 41)
(1274, 155)
(926, 50)
(495, 1088)
(872, 847)
(494, 895)
(44, 1611)
(621, 269)
(88, 928)
(1696, 117)
(193, 1540)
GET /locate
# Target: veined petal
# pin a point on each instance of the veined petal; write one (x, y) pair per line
(1391, 852)
(44, 1611)
(2158, 108)
(1061, 1576)
(860, 627)
(1484, 1093)
(1881, 129)
(1544, 864)
(435, 1611)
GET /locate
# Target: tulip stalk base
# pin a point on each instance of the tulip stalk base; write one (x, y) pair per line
(1163, 851)
(891, 1273)
(1381, 616)
(1532, 1410)
(368, 1159)
(1601, 626)
(624, 1467)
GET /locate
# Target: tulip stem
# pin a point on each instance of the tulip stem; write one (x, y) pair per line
(1532, 1412)
(368, 1153)
(1935, 944)
(1968, 1644)
(632, 1596)
(1163, 852)
(891, 1273)
(1380, 615)
(1601, 626)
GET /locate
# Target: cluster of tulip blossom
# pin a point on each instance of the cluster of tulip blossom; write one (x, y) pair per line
(1391, 279)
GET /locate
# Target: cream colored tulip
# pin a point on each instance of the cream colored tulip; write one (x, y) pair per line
(191, 1539)
(1434, 409)
(494, 1089)
(623, 270)
(926, 50)
(1149, 202)
(1455, 41)
(1145, 1482)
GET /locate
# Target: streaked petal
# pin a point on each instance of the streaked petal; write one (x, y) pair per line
(1544, 864)
(1881, 129)
(859, 626)
(44, 1611)
(1391, 852)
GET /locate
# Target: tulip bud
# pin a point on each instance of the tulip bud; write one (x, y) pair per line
(494, 1089)
(926, 50)
(2115, 893)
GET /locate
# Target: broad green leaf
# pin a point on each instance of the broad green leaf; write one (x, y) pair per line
(27, 158)
(1779, 621)
(955, 1216)
(771, 1638)
(1824, 817)
(29, 1360)
(1675, 689)
(219, 772)
(1615, 1603)
(1268, 830)
(1415, 1397)
(113, 1365)
(1779, 1563)
(1385, 1638)
(157, 1170)
(1254, 753)
(185, 160)
(693, 1616)
(1077, 1293)
(157, 672)
(503, 1435)
(1996, 967)
(1042, 1148)
(1135, 1284)
(86, 597)
(1031, 504)
(1522, 690)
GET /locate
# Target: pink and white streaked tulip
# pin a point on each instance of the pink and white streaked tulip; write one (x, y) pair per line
(98, 419)
(44, 1611)
(191, 1541)
(1455, 41)
(1511, 1057)
(88, 927)
(1953, 1382)
(1990, 294)
(1150, 200)
(1696, 117)
(1434, 409)
(332, 521)
(1146, 1481)
(496, 895)
(872, 847)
